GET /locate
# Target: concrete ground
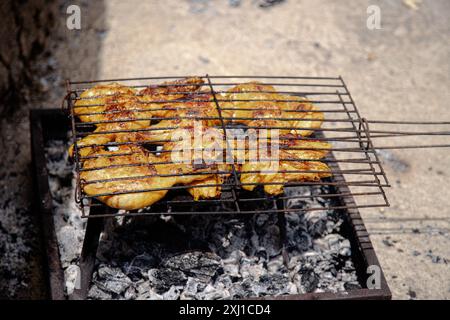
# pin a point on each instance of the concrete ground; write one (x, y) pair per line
(398, 72)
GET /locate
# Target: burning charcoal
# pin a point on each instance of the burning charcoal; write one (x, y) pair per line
(190, 290)
(130, 293)
(97, 294)
(270, 240)
(276, 265)
(237, 257)
(69, 244)
(112, 280)
(71, 275)
(173, 293)
(163, 279)
(139, 266)
(145, 292)
(231, 264)
(308, 281)
(261, 219)
(202, 265)
(316, 223)
(345, 248)
(275, 284)
(251, 268)
(213, 293)
(352, 286)
(300, 241)
(247, 288)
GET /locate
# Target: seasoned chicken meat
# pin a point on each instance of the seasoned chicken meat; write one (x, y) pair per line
(259, 105)
(135, 177)
(295, 157)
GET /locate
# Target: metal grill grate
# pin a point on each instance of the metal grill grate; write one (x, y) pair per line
(352, 153)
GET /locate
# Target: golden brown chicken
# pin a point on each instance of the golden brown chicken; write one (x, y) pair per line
(122, 115)
(259, 105)
(198, 112)
(201, 146)
(113, 108)
(159, 97)
(136, 178)
(293, 160)
(91, 102)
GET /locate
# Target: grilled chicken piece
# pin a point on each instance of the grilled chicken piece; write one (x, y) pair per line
(103, 104)
(240, 105)
(159, 97)
(134, 170)
(292, 156)
(93, 100)
(202, 147)
(200, 111)
(123, 113)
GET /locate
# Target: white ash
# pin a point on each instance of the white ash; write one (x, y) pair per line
(204, 256)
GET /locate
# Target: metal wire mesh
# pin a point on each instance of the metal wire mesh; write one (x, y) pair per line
(352, 152)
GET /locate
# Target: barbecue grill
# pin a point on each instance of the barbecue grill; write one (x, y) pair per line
(343, 127)
(353, 162)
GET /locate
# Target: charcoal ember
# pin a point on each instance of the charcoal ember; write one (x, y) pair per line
(225, 237)
(244, 289)
(261, 219)
(130, 293)
(71, 275)
(69, 244)
(112, 280)
(276, 265)
(139, 266)
(96, 293)
(345, 248)
(163, 278)
(352, 286)
(308, 280)
(232, 263)
(211, 292)
(202, 265)
(299, 240)
(145, 291)
(269, 238)
(173, 293)
(190, 289)
(316, 223)
(251, 267)
(209, 257)
(275, 284)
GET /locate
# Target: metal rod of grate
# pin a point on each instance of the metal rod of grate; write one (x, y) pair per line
(342, 126)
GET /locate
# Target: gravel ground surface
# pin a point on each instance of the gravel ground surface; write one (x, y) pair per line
(400, 71)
